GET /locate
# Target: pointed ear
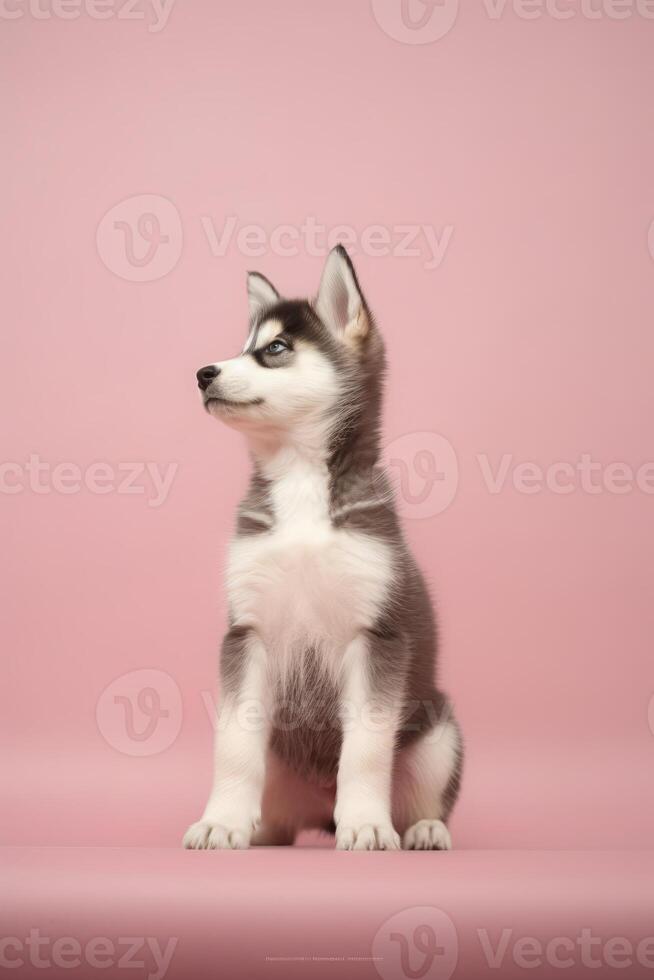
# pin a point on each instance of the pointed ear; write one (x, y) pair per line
(340, 303)
(261, 294)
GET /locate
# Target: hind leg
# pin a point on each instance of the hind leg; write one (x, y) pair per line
(425, 787)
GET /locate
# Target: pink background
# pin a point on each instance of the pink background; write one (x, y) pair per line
(533, 337)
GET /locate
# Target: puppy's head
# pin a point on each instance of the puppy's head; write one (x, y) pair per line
(304, 362)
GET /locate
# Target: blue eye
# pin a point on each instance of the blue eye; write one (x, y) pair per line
(276, 347)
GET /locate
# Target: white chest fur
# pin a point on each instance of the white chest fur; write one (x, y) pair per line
(306, 583)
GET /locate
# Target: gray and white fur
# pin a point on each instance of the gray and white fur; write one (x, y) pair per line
(329, 716)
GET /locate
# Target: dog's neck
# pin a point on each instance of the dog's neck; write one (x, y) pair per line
(312, 468)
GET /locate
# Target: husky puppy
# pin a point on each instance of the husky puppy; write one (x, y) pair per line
(329, 716)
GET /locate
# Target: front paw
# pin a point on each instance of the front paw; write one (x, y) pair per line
(427, 835)
(211, 835)
(367, 837)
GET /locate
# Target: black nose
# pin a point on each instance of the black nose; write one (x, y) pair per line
(206, 375)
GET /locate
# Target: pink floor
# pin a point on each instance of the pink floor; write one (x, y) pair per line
(313, 913)
(94, 860)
